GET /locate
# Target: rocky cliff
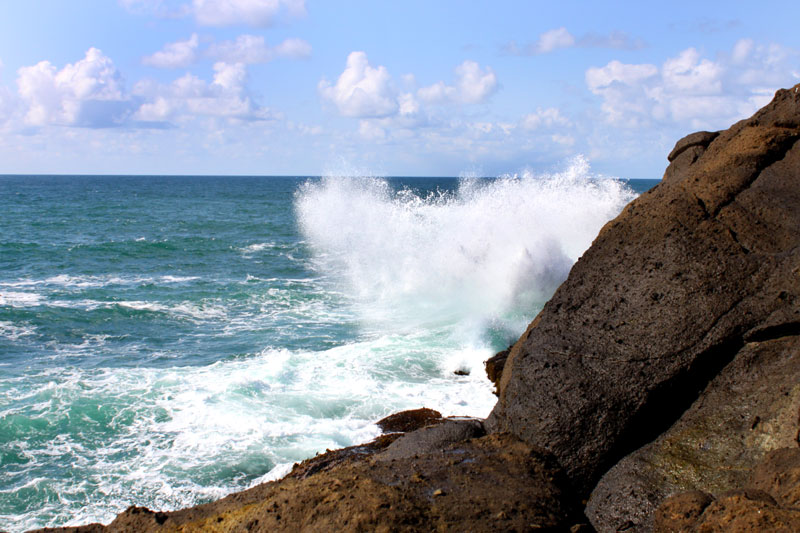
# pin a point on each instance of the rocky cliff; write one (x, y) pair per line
(660, 383)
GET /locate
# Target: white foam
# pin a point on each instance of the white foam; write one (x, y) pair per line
(491, 248)
(13, 331)
(20, 299)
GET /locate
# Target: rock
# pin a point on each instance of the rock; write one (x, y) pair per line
(779, 475)
(749, 409)
(668, 294)
(681, 512)
(409, 420)
(746, 510)
(494, 366)
(431, 439)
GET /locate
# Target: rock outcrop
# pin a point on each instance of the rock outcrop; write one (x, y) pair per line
(686, 279)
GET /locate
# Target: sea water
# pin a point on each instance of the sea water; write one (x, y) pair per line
(165, 341)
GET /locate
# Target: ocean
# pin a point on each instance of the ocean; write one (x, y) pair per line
(165, 341)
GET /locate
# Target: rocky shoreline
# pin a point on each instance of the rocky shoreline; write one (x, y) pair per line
(658, 390)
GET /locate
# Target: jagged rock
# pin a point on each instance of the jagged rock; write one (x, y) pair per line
(779, 475)
(409, 420)
(746, 411)
(744, 510)
(494, 366)
(431, 439)
(667, 295)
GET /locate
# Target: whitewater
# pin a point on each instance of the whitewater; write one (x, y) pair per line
(165, 341)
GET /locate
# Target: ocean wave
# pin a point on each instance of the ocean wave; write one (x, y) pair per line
(490, 249)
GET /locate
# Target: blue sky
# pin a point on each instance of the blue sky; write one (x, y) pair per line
(390, 88)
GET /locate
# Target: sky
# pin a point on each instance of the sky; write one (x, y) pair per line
(411, 88)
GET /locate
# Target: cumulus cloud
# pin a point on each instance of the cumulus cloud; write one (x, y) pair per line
(361, 90)
(189, 96)
(250, 12)
(175, 55)
(252, 49)
(367, 92)
(547, 118)
(690, 89)
(473, 85)
(89, 93)
(559, 38)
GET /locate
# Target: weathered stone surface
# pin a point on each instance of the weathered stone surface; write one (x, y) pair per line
(698, 138)
(431, 439)
(748, 410)
(494, 366)
(668, 294)
(495, 483)
(745, 511)
(409, 420)
(779, 475)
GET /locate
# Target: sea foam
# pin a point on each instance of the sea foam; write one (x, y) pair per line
(491, 252)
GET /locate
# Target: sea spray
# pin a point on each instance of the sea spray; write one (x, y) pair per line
(489, 253)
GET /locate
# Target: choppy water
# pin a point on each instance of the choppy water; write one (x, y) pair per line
(165, 341)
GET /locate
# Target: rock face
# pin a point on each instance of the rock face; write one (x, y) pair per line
(746, 411)
(768, 504)
(683, 280)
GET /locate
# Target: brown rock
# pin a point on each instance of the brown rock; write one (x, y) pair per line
(681, 512)
(779, 475)
(409, 420)
(494, 367)
(668, 294)
(748, 510)
(749, 409)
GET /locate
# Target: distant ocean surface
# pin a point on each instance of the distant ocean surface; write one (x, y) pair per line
(165, 341)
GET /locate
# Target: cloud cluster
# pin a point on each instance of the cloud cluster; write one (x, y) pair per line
(689, 89)
(189, 96)
(89, 92)
(473, 85)
(364, 91)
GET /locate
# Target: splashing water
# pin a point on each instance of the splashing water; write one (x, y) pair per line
(490, 252)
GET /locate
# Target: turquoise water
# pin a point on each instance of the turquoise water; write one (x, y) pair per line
(165, 341)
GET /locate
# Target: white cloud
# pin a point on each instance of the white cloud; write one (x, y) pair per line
(252, 49)
(174, 55)
(548, 118)
(250, 12)
(89, 92)
(693, 91)
(361, 90)
(189, 96)
(553, 40)
(472, 86)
